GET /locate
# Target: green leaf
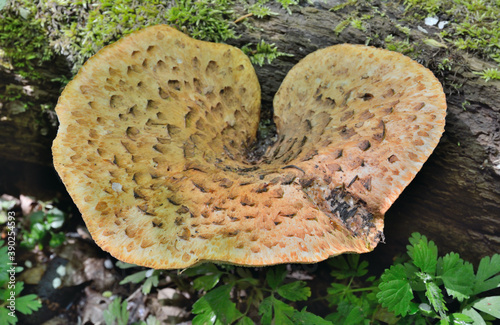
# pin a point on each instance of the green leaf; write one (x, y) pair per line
(275, 311)
(487, 276)
(123, 265)
(206, 315)
(459, 318)
(423, 253)
(307, 318)
(282, 312)
(395, 291)
(435, 297)
(116, 313)
(37, 217)
(5, 318)
(28, 304)
(206, 282)
(217, 302)
(275, 275)
(346, 266)
(458, 276)
(295, 291)
(474, 315)
(135, 278)
(347, 314)
(489, 305)
(150, 282)
(57, 240)
(55, 218)
(266, 310)
(245, 321)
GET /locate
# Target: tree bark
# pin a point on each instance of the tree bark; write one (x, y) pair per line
(455, 198)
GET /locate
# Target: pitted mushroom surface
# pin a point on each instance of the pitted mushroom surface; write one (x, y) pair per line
(155, 128)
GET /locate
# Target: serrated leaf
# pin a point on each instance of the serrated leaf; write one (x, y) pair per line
(346, 266)
(295, 291)
(306, 318)
(275, 275)
(489, 305)
(206, 282)
(5, 318)
(423, 253)
(274, 311)
(435, 297)
(266, 311)
(282, 312)
(485, 277)
(347, 314)
(395, 291)
(28, 304)
(218, 302)
(205, 314)
(458, 276)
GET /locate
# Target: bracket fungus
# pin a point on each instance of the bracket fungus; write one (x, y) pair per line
(155, 128)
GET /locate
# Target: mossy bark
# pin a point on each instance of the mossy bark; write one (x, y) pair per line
(455, 199)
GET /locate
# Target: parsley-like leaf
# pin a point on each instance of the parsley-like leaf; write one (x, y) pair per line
(28, 304)
(282, 312)
(395, 290)
(275, 275)
(305, 317)
(295, 291)
(206, 282)
(216, 302)
(266, 310)
(347, 314)
(346, 266)
(7, 319)
(458, 276)
(488, 274)
(423, 253)
(275, 311)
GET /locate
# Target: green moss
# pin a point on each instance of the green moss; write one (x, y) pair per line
(34, 32)
(263, 51)
(474, 25)
(489, 74)
(24, 42)
(393, 44)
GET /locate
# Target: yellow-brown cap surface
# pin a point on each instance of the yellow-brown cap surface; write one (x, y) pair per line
(155, 127)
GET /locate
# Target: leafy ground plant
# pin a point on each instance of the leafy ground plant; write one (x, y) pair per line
(117, 314)
(414, 290)
(272, 297)
(426, 289)
(44, 228)
(10, 292)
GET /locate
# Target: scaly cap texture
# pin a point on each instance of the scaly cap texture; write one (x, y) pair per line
(154, 132)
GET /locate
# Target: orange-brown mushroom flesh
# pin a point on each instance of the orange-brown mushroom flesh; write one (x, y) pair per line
(153, 134)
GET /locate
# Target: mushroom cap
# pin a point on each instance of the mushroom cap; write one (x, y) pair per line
(154, 132)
